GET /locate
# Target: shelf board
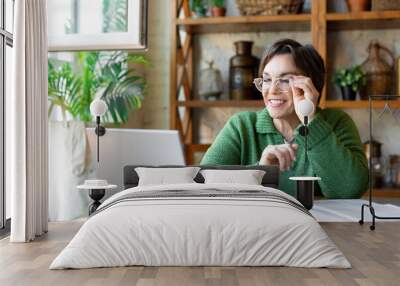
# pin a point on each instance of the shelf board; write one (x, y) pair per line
(221, 103)
(360, 104)
(364, 20)
(384, 193)
(235, 24)
(354, 104)
(336, 21)
(366, 15)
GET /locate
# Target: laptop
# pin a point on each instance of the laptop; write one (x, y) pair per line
(121, 147)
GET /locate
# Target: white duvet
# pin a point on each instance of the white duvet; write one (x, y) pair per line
(200, 231)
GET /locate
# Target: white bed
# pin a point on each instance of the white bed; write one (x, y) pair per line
(185, 230)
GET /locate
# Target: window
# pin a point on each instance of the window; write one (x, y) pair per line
(113, 24)
(9, 19)
(6, 43)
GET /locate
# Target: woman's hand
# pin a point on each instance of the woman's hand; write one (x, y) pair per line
(282, 155)
(303, 88)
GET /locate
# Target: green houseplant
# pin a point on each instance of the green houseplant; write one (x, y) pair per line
(72, 87)
(74, 80)
(350, 80)
(198, 8)
(218, 8)
(109, 76)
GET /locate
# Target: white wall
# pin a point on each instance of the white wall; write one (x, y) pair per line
(155, 105)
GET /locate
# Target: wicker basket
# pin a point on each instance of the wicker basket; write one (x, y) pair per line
(380, 5)
(269, 7)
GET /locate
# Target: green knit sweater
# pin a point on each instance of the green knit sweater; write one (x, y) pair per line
(335, 151)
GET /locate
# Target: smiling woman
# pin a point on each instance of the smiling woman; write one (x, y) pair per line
(289, 74)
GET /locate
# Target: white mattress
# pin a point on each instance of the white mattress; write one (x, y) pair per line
(206, 231)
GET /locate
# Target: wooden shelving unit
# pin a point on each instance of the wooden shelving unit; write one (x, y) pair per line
(358, 104)
(363, 20)
(221, 103)
(364, 16)
(385, 193)
(245, 24)
(318, 23)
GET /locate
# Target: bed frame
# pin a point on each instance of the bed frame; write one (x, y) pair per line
(270, 179)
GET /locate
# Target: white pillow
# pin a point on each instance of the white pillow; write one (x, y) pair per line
(163, 176)
(248, 177)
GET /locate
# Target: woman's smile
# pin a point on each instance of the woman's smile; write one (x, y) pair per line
(276, 103)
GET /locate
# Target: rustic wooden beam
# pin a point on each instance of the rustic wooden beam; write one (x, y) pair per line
(319, 36)
(186, 8)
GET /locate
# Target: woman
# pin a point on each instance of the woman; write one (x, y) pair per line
(289, 73)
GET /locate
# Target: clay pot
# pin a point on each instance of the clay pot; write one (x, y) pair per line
(358, 5)
(243, 69)
(218, 11)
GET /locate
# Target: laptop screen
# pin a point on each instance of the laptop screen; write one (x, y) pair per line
(121, 147)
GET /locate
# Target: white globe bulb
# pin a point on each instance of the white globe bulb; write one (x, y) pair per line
(305, 107)
(98, 107)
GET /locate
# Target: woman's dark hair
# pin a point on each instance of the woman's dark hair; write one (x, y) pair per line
(306, 58)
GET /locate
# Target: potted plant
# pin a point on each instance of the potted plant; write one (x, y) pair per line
(218, 8)
(72, 87)
(350, 81)
(96, 74)
(198, 8)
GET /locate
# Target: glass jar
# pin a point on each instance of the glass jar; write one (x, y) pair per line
(394, 169)
(211, 84)
(377, 172)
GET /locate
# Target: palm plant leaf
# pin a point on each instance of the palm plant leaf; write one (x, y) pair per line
(115, 15)
(123, 89)
(110, 75)
(63, 86)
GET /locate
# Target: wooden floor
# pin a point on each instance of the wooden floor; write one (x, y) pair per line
(375, 257)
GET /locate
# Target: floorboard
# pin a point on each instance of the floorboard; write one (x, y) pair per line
(375, 257)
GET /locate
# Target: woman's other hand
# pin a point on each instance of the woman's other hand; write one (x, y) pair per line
(282, 155)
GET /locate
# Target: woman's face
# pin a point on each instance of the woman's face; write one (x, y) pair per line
(279, 97)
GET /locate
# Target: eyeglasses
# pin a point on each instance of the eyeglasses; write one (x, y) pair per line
(265, 84)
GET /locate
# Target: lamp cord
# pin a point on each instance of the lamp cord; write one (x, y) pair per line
(305, 144)
(98, 140)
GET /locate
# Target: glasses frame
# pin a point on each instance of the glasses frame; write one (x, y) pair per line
(274, 82)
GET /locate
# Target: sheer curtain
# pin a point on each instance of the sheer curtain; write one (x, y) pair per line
(27, 123)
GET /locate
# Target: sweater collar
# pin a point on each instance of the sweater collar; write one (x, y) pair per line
(264, 123)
